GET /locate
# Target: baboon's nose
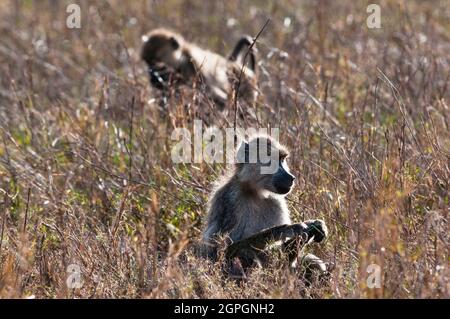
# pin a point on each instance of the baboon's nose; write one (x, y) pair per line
(291, 178)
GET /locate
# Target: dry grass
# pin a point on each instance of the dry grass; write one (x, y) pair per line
(365, 114)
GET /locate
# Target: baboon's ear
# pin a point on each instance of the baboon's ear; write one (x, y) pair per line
(174, 43)
(240, 50)
(243, 153)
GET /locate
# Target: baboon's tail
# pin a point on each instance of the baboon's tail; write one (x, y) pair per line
(240, 51)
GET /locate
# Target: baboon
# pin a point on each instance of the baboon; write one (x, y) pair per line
(249, 208)
(172, 60)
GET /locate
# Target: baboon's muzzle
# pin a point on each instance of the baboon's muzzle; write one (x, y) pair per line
(159, 76)
(283, 181)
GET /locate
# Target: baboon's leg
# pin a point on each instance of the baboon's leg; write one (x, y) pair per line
(313, 269)
(312, 262)
(310, 267)
(317, 232)
(291, 248)
(236, 270)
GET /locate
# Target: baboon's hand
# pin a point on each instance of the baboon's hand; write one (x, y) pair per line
(318, 229)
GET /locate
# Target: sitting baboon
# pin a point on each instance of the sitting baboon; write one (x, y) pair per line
(250, 209)
(172, 61)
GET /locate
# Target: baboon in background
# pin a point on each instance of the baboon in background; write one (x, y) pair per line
(250, 209)
(172, 61)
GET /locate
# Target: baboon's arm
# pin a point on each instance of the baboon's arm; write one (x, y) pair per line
(303, 231)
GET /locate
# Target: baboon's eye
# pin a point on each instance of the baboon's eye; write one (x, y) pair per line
(174, 43)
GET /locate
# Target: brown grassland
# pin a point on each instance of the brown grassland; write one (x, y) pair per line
(86, 175)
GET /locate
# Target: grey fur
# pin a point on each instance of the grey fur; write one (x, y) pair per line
(240, 213)
(173, 60)
(247, 203)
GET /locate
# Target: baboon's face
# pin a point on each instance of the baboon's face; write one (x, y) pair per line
(267, 169)
(161, 49)
(162, 53)
(282, 181)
